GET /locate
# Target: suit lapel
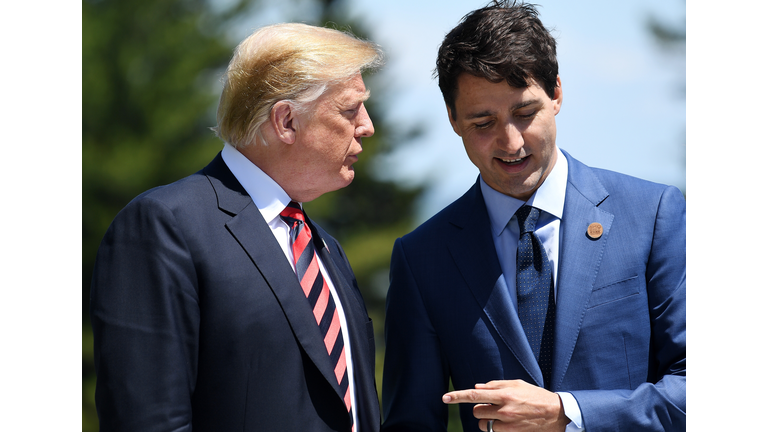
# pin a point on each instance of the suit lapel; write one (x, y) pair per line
(475, 255)
(355, 312)
(254, 235)
(580, 258)
(353, 305)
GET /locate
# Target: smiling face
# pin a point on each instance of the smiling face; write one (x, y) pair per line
(508, 133)
(328, 140)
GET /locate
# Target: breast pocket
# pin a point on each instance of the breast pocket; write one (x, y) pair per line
(615, 291)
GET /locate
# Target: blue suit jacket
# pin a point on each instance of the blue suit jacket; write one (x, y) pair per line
(200, 323)
(620, 323)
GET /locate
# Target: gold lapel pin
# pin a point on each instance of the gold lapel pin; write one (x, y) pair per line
(595, 230)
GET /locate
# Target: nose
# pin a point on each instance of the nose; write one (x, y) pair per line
(511, 139)
(365, 125)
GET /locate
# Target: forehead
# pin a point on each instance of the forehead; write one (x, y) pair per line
(475, 95)
(350, 91)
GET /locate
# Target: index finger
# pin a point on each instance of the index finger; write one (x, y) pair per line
(475, 396)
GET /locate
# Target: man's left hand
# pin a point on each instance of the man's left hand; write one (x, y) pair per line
(514, 405)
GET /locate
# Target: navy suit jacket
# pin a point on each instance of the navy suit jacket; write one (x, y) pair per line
(200, 323)
(620, 314)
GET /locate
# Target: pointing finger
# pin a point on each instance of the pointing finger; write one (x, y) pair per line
(476, 396)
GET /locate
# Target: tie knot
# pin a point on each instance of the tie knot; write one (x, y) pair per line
(527, 217)
(292, 211)
(293, 215)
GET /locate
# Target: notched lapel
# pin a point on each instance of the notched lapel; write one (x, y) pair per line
(580, 260)
(363, 353)
(475, 256)
(254, 235)
(353, 301)
(355, 316)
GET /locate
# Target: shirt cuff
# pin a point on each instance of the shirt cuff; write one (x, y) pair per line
(572, 411)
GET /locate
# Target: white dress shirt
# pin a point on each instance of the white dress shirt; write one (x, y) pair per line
(271, 199)
(550, 199)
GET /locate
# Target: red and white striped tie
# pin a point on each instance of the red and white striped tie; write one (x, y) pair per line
(319, 295)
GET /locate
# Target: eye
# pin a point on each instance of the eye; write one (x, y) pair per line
(527, 115)
(352, 110)
(484, 125)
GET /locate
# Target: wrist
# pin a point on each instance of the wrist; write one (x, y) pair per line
(571, 411)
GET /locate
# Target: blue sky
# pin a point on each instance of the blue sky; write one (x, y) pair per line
(619, 112)
(622, 106)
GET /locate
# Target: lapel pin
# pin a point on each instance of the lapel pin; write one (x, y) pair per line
(595, 230)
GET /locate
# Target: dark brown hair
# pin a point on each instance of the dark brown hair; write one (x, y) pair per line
(502, 41)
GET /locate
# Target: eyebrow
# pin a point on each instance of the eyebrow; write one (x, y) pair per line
(343, 103)
(357, 100)
(481, 114)
(472, 116)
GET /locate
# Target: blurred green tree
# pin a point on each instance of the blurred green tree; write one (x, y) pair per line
(150, 89)
(669, 37)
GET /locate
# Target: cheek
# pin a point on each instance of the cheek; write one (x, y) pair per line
(544, 131)
(479, 145)
(331, 155)
(538, 137)
(469, 147)
(327, 142)
(344, 142)
(476, 154)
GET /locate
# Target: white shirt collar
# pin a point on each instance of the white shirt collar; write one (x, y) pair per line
(271, 199)
(268, 196)
(549, 197)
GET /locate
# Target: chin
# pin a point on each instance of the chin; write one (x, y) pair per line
(348, 176)
(341, 184)
(347, 182)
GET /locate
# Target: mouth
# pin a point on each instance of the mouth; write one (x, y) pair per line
(513, 161)
(514, 165)
(350, 160)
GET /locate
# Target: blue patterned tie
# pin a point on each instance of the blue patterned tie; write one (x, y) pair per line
(535, 291)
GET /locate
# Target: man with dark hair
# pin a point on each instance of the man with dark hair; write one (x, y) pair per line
(552, 294)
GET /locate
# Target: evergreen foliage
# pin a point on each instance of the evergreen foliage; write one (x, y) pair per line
(151, 74)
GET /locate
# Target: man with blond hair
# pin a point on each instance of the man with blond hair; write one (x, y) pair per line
(217, 305)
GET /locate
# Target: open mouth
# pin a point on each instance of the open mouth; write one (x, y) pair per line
(513, 161)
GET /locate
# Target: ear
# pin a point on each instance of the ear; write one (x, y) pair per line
(558, 99)
(282, 119)
(450, 119)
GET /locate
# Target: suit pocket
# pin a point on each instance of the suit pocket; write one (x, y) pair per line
(614, 291)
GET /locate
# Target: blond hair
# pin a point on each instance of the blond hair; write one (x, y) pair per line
(285, 62)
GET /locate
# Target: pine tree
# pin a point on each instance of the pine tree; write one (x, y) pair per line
(151, 74)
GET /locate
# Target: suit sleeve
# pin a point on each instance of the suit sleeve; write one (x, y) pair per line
(414, 368)
(659, 404)
(145, 319)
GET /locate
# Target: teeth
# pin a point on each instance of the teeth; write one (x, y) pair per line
(511, 160)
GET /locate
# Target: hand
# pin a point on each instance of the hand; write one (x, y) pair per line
(514, 405)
